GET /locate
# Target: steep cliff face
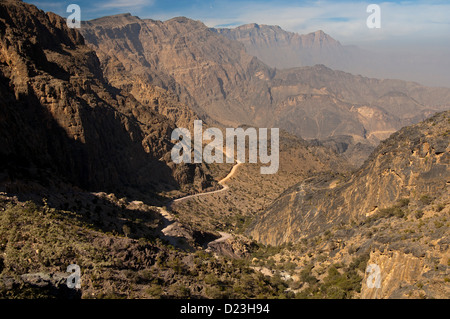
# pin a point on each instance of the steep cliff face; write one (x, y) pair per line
(133, 70)
(392, 214)
(404, 276)
(413, 162)
(183, 56)
(59, 116)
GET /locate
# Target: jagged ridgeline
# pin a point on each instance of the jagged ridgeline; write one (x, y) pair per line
(59, 118)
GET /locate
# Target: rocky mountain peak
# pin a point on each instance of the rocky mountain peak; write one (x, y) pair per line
(322, 39)
(116, 20)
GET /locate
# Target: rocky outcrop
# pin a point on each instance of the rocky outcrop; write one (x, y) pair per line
(412, 163)
(59, 117)
(403, 276)
(53, 285)
(235, 247)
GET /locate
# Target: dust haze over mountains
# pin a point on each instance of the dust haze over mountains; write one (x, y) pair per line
(281, 49)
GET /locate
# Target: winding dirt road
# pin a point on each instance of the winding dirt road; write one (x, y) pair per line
(221, 183)
(169, 220)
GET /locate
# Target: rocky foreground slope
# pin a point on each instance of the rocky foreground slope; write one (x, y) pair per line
(392, 212)
(68, 139)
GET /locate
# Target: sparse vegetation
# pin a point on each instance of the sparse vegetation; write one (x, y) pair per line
(59, 239)
(419, 214)
(426, 199)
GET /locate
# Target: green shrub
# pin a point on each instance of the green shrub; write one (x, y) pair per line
(426, 199)
(341, 286)
(391, 212)
(306, 276)
(359, 263)
(126, 230)
(403, 202)
(438, 224)
(179, 291)
(419, 214)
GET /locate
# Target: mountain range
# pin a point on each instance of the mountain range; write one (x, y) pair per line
(282, 49)
(86, 176)
(224, 83)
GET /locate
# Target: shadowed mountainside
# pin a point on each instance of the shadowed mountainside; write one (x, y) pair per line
(59, 117)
